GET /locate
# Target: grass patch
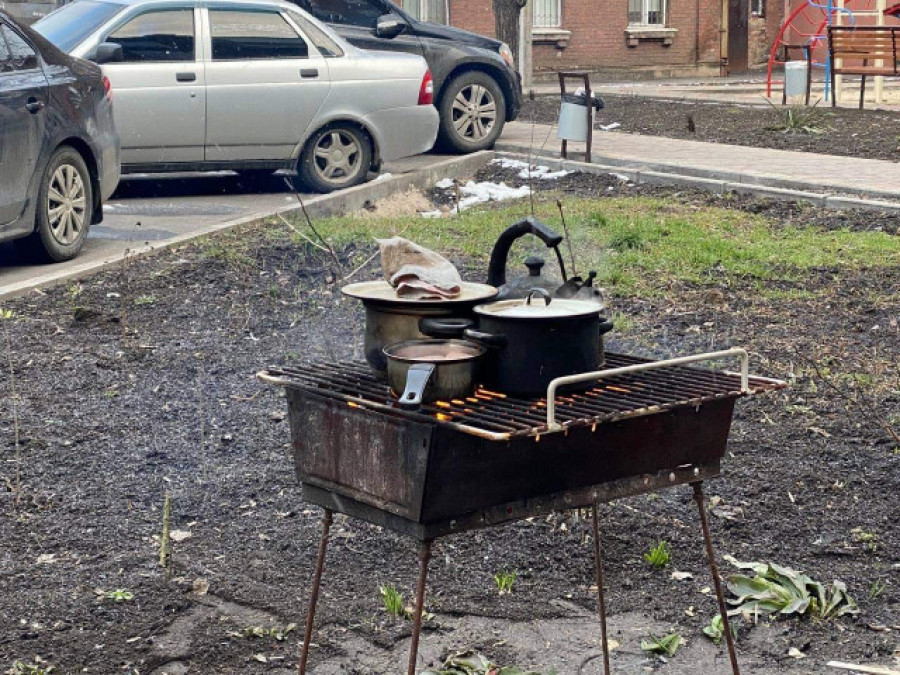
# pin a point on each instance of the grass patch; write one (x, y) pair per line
(635, 243)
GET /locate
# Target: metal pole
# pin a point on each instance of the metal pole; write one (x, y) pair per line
(424, 557)
(601, 604)
(314, 596)
(711, 555)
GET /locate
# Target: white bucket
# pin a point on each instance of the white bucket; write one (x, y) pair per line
(573, 120)
(795, 74)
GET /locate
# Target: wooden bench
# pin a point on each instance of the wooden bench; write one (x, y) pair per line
(865, 44)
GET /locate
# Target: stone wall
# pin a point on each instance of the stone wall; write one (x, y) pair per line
(594, 35)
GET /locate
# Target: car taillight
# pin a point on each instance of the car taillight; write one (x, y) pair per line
(108, 87)
(426, 91)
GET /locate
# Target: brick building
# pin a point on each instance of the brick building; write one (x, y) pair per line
(635, 38)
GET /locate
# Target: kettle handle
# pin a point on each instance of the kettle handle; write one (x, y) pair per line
(500, 253)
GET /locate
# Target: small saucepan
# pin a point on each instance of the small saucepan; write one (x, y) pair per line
(432, 370)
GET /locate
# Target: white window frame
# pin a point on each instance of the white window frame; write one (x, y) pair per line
(426, 10)
(645, 14)
(551, 19)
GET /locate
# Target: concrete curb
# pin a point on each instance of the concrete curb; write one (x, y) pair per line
(320, 206)
(717, 181)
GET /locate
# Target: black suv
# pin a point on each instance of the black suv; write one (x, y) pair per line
(476, 86)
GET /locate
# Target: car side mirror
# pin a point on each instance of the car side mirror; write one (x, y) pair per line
(108, 52)
(389, 26)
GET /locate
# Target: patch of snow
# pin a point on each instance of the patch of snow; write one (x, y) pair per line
(444, 183)
(610, 127)
(383, 176)
(473, 193)
(532, 171)
(620, 176)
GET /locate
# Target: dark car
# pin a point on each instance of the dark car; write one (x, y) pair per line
(59, 151)
(477, 88)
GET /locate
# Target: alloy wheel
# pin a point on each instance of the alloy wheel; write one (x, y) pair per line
(337, 156)
(474, 112)
(66, 204)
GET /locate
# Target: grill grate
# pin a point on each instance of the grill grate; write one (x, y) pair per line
(497, 416)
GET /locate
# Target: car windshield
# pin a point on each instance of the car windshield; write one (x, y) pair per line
(69, 25)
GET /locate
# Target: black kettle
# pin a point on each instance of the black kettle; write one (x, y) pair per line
(568, 287)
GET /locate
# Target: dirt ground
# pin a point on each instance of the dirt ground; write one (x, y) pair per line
(870, 134)
(139, 382)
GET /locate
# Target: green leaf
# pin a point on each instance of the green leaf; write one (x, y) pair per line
(747, 587)
(664, 646)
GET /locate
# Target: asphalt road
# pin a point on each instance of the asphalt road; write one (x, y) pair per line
(158, 208)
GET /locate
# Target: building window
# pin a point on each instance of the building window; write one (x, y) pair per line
(647, 12)
(547, 13)
(758, 7)
(425, 10)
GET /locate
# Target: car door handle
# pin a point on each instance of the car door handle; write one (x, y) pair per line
(186, 77)
(34, 105)
(309, 72)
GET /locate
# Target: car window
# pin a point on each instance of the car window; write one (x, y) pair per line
(239, 35)
(165, 35)
(21, 55)
(346, 12)
(5, 60)
(68, 26)
(321, 39)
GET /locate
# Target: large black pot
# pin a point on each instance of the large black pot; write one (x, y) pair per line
(538, 339)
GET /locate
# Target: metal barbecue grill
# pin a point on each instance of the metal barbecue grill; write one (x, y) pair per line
(489, 458)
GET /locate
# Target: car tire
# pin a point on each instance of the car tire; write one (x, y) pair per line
(65, 206)
(335, 157)
(472, 111)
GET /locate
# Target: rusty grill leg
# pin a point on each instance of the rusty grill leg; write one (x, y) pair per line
(711, 555)
(314, 594)
(424, 557)
(601, 603)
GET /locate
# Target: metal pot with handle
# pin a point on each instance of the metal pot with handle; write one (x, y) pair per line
(424, 371)
(391, 319)
(538, 339)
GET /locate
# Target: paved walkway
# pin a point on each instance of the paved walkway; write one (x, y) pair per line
(739, 164)
(738, 89)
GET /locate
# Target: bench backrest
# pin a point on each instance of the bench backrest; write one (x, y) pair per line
(866, 42)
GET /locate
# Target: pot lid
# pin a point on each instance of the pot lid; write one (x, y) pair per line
(539, 308)
(382, 292)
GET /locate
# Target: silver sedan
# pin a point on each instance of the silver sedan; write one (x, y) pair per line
(248, 85)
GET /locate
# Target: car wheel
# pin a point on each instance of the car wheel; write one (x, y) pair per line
(473, 111)
(336, 157)
(65, 206)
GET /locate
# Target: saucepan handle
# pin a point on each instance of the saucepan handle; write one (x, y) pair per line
(416, 380)
(444, 327)
(486, 339)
